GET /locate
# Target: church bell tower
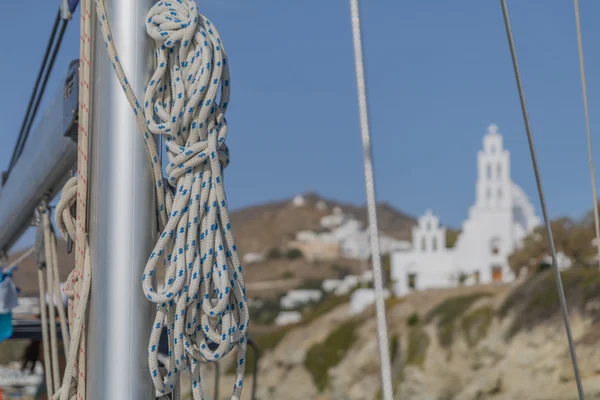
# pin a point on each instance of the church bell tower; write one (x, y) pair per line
(493, 173)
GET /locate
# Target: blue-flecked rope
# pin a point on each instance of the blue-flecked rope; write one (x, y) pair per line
(202, 303)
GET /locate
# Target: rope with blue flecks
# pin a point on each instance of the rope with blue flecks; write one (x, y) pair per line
(202, 303)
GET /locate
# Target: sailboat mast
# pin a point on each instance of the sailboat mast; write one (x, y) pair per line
(122, 216)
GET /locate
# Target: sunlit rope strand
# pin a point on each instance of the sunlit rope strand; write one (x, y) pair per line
(46, 229)
(45, 333)
(81, 278)
(53, 265)
(202, 303)
(384, 357)
(559, 285)
(587, 126)
(19, 260)
(47, 253)
(54, 289)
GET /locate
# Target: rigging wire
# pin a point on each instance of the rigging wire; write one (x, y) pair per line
(39, 88)
(43, 86)
(559, 285)
(15, 264)
(35, 89)
(384, 354)
(587, 125)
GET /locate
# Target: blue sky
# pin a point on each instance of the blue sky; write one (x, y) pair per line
(438, 73)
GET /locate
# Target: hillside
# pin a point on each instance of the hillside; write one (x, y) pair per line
(492, 342)
(261, 227)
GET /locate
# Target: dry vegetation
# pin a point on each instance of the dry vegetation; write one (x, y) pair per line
(536, 300)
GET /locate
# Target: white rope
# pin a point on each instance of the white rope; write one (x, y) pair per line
(19, 260)
(58, 293)
(48, 322)
(54, 290)
(48, 302)
(202, 303)
(384, 355)
(45, 334)
(54, 373)
(47, 299)
(587, 126)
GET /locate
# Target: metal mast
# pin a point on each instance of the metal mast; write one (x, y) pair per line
(122, 217)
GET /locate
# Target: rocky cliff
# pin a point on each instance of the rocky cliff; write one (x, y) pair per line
(487, 342)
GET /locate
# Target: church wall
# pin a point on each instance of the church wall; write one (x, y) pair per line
(432, 270)
(486, 243)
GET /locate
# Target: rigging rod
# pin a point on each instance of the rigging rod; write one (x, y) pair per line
(538, 179)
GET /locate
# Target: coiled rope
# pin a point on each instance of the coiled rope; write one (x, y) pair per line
(202, 303)
(587, 126)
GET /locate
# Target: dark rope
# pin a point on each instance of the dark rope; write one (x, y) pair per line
(538, 179)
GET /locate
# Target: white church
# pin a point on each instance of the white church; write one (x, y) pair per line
(498, 221)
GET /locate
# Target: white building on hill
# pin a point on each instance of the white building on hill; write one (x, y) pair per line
(299, 297)
(498, 221)
(349, 237)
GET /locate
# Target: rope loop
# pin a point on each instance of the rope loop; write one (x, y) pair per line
(65, 221)
(185, 159)
(66, 225)
(171, 22)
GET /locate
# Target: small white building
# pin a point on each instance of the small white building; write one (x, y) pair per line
(300, 297)
(562, 260)
(344, 286)
(317, 250)
(329, 285)
(498, 221)
(298, 200)
(306, 236)
(321, 205)
(288, 318)
(253, 258)
(357, 245)
(349, 235)
(363, 298)
(333, 220)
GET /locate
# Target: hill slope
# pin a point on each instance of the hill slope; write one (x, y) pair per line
(260, 227)
(491, 342)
